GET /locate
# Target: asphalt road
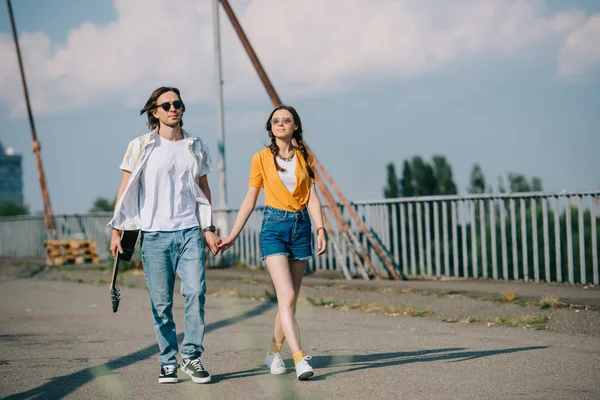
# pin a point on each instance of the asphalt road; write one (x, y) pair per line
(61, 340)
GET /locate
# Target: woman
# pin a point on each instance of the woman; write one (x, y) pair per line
(287, 174)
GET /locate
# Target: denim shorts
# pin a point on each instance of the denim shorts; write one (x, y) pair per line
(286, 233)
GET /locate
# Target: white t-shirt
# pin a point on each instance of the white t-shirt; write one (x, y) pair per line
(166, 200)
(289, 176)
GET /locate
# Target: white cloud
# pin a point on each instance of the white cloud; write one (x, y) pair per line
(579, 57)
(309, 46)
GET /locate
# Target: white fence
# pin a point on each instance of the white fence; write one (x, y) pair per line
(550, 237)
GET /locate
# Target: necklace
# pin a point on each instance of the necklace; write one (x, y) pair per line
(292, 154)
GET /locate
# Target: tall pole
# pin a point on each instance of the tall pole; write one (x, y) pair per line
(48, 214)
(222, 217)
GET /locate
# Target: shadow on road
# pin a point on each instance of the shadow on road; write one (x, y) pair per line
(351, 363)
(61, 386)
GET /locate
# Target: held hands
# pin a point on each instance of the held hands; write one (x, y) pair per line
(226, 243)
(321, 242)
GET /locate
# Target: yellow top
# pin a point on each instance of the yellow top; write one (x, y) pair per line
(277, 195)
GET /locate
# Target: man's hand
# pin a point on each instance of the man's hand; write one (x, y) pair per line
(115, 243)
(212, 240)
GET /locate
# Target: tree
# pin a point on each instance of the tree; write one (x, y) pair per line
(442, 171)
(517, 183)
(424, 178)
(102, 204)
(407, 182)
(419, 178)
(477, 180)
(392, 190)
(10, 208)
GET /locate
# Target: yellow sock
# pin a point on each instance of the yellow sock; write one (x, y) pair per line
(276, 347)
(298, 356)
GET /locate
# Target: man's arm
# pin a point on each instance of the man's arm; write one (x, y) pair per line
(115, 241)
(203, 183)
(212, 239)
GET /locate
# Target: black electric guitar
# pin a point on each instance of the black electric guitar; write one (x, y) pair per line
(128, 240)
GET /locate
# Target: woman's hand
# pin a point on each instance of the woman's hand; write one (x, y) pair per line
(321, 242)
(226, 243)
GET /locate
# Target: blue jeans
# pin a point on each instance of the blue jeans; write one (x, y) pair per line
(286, 233)
(165, 254)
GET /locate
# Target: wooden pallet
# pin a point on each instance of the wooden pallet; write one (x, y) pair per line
(62, 252)
(70, 244)
(77, 252)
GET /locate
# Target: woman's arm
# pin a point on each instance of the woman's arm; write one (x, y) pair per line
(316, 214)
(242, 217)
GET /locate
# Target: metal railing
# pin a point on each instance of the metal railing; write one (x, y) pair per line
(23, 236)
(551, 237)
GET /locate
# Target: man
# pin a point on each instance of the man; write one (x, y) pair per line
(164, 193)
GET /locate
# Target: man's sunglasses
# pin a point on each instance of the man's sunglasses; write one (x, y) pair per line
(167, 106)
(285, 120)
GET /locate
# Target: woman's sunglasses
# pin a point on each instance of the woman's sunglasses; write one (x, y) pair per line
(167, 106)
(285, 120)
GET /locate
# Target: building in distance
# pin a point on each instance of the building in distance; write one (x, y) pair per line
(11, 176)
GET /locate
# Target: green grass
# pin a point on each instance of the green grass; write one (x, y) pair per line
(449, 320)
(323, 303)
(370, 307)
(421, 313)
(537, 322)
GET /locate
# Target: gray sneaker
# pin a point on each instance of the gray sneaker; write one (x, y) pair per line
(194, 368)
(168, 374)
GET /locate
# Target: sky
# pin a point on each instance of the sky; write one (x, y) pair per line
(511, 85)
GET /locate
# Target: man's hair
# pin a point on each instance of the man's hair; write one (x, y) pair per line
(153, 122)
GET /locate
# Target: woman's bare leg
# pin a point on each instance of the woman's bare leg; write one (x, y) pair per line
(281, 274)
(297, 271)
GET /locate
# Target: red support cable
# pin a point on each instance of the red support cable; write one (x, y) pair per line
(48, 214)
(344, 227)
(357, 219)
(250, 51)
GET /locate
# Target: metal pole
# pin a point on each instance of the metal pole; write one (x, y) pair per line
(48, 214)
(221, 222)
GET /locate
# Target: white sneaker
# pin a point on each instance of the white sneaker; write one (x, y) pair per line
(275, 362)
(303, 369)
